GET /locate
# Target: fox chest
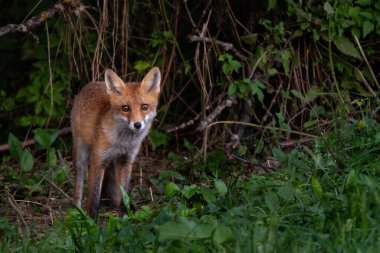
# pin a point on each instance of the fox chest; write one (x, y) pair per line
(122, 144)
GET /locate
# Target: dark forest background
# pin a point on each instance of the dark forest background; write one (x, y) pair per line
(287, 90)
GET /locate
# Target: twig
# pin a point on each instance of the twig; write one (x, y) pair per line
(250, 163)
(205, 138)
(13, 203)
(187, 123)
(204, 13)
(29, 142)
(235, 138)
(184, 124)
(272, 103)
(189, 14)
(226, 46)
(226, 103)
(60, 190)
(367, 85)
(366, 61)
(58, 8)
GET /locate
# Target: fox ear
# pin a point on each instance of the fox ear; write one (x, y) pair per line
(114, 84)
(152, 80)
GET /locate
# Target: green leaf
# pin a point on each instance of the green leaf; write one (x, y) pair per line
(126, 201)
(26, 161)
(142, 66)
(189, 190)
(51, 157)
(272, 71)
(352, 178)
(190, 147)
(144, 214)
(286, 192)
(310, 123)
(271, 201)
(208, 195)
(285, 57)
(216, 158)
(243, 87)
(363, 2)
(158, 138)
(347, 47)
(45, 137)
(279, 155)
(220, 187)
(249, 39)
(222, 234)
(223, 57)
(257, 89)
(185, 230)
(312, 94)
(317, 188)
(60, 175)
(232, 89)
(367, 28)
(170, 189)
(15, 147)
(366, 14)
(242, 150)
(235, 65)
(328, 8)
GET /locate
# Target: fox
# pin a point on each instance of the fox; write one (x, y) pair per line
(109, 121)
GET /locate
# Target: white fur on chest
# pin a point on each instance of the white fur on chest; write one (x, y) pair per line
(124, 142)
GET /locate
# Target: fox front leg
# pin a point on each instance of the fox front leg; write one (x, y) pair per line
(95, 181)
(123, 175)
(81, 154)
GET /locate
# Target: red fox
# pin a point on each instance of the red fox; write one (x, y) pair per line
(109, 121)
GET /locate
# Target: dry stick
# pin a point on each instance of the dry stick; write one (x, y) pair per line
(251, 125)
(367, 85)
(33, 22)
(13, 203)
(196, 60)
(189, 14)
(184, 124)
(60, 190)
(204, 12)
(226, 46)
(226, 103)
(187, 123)
(250, 163)
(38, 204)
(29, 142)
(366, 61)
(268, 111)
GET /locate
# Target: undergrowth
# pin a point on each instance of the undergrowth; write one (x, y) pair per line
(284, 69)
(322, 199)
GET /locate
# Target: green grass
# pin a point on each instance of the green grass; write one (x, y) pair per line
(322, 199)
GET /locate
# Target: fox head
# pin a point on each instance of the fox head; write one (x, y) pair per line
(134, 103)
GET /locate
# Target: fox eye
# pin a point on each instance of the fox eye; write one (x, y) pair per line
(144, 107)
(125, 108)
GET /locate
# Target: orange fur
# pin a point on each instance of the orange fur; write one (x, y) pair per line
(109, 121)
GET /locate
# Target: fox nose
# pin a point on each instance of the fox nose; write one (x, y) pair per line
(137, 125)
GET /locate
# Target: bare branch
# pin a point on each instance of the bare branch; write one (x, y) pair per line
(30, 142)
(226, 103)
(226, 46)
(30, 24)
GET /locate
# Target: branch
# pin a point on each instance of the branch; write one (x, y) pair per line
(226, 103)
(30, 24)
(226, 46)
(253, 164)
(184, 124)
(31, 142)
